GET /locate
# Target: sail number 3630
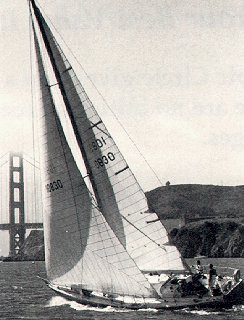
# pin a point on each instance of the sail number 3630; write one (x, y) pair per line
(55, 185)
(100, 162)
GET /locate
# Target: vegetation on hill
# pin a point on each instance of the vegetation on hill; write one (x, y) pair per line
(211, 239)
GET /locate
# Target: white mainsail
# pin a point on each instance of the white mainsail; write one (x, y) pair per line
(80, 246)
(118, 194)
(81, 249)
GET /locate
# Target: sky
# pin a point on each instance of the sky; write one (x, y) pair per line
(171, 71)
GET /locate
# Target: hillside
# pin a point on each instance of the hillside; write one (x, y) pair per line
(211, 239)
(197, 201)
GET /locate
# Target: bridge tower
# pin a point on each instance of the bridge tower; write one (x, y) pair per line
(17, 228)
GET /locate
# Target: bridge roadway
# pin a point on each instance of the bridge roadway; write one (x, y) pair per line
(7, 226)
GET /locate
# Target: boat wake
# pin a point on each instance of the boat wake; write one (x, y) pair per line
(200, 312)
(61, 301)
(237, 308)
(57, 301)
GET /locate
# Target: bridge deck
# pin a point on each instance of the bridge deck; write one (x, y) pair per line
(7, 226)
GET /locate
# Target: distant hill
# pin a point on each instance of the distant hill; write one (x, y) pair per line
(197, 201)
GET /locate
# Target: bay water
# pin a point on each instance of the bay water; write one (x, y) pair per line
(25, 296)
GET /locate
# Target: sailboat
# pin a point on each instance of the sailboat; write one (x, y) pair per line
(103, 247)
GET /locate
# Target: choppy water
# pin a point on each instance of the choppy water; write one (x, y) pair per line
(24, 296)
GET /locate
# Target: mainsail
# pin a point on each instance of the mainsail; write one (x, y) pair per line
(81, 248)
(118, 194)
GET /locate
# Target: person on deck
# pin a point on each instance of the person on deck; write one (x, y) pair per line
(212, 277)
(199, 267)
(198, 272)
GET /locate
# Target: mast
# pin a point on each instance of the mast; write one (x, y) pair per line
(40, 21)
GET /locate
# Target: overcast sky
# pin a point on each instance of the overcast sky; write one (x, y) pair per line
(172, 71)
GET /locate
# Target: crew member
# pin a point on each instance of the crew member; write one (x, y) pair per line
(199, 267)
(212, 277)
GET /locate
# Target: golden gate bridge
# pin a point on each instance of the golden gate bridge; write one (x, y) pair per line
(20, 207)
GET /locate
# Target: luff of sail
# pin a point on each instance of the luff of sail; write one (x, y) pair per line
(81, 248)
(119, 195)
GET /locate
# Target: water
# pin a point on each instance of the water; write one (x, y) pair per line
(24, 296)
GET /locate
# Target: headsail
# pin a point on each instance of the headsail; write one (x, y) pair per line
(118, 194)
(80, 246)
